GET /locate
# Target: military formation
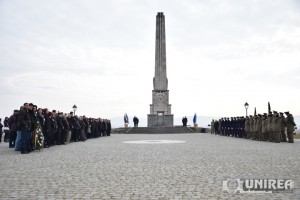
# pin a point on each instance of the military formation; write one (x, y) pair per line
(272, 127)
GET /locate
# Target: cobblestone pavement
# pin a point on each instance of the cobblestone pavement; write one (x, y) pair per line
(106, 168)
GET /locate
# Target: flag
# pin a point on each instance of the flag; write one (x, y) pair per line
(126, 119)
(254, 111)
(269, 108)
(195, 118)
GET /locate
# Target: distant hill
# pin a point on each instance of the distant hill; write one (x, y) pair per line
(202, 121)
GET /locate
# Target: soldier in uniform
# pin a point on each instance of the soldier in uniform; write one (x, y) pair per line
(212, 126)
(269, 127)
(228, 127)
(220, 127)
(254, 134)
(216, 127)
(264, 127)
(249, 135)
(231, 125)
(276, 127)
(225, 126)
(258, 127)
(290, 125)
(247, 127)
(283, 125)
(222, 124)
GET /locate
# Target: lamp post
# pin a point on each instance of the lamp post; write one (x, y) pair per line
(74, 109)
(246, 107)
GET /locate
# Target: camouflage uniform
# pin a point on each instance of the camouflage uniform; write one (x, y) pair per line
(269, 128)
(247, 127)
(258, 127)
(283, 125)
(290, 125)
(264, 128)
(250, 135)
(255, 128)
(276, 127)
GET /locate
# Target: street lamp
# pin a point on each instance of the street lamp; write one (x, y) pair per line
(74, 109)
(246, 106)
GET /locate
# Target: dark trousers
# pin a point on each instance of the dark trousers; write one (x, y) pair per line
(58, 136)
(47, 138)
(12, 138)
(75, 135)
(6, 136)
(64, 134)
(51, 139)
(24, 141)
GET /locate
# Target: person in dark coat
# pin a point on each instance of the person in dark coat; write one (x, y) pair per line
(6, 130)
(60, 128)
(108, 128)
(12, 124)
(76, 128)
(31, 129)
(53, 120)
(24, 122)
(82, 135)
(135, 121)
(1, 126)
(103, 127)
(87, 126)
(47, 128)
(94, 128)
(184, 121)
(69, 136)
(65, 130)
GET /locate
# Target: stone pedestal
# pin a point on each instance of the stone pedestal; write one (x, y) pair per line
(160, 120)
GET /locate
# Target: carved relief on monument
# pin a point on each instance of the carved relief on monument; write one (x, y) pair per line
(160, 98)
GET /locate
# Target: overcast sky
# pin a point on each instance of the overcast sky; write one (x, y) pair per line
(99, 55)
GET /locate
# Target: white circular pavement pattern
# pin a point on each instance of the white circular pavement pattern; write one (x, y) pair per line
(154, 142)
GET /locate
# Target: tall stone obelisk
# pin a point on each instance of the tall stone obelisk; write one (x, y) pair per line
(160, 109)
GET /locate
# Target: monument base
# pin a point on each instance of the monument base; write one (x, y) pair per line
(160, 120)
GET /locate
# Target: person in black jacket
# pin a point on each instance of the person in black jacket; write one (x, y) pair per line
(24, 122)
(70, 124)
(6, 130)
(46, 128)
(108, 127)
(65, 131)
(76, 129)
(53, 121)
(32, 114)
(60, 128)
(12, 123)
(82, 135)
(1, 126)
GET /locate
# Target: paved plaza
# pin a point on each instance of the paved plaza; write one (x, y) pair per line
(107, 168)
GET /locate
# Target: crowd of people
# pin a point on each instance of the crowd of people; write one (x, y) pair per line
(272, 127)
(32, 128)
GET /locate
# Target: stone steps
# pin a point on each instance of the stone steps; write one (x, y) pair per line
(159, 130)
